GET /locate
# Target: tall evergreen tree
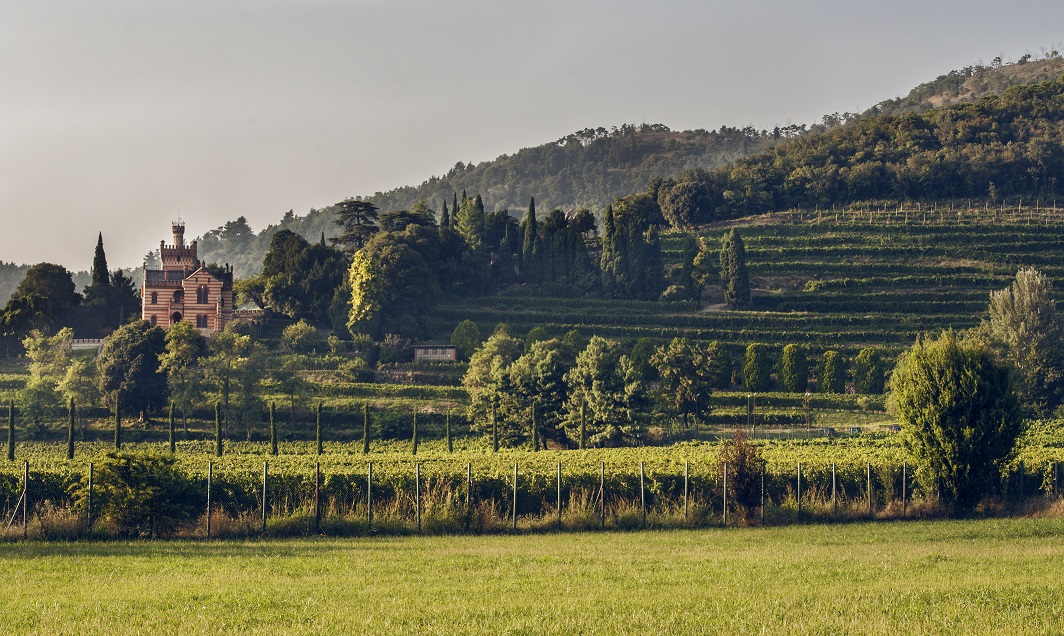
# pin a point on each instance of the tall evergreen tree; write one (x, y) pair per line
(609, 253)
(733, 270)
(454, 210)
(471, 222)
(100, 285)
(358, 222)
(530, 245)
(445, 216)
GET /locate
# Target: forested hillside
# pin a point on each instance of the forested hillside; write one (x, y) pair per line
(1005, 146)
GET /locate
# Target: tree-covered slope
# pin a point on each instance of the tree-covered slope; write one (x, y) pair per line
(1008, 145)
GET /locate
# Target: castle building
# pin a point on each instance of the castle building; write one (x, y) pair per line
(186, 289)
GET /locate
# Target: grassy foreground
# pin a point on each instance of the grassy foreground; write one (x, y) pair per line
(986, 576)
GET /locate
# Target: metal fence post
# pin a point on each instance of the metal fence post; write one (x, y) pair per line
(417, 494)
(868, 470)
(25, 499)
(559, 495)
(686, 478)
(764, 469)
(834, 500)
(317, 497)
(602, 494)
(210, 476)
(468, 493)
(515, 498)
(88, 507)
(798, 492)
(725, 494)
(642, 493)
(369, 497)
(904, 492)
(265, 501)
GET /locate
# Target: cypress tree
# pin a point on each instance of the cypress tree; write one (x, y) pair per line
(317, 427)
(365, 428)
(118, 426)
(445, 217)
(100, 285)
(733, 267)
(447, 426)
(794, 369)
(70, 431)
(413, 441)
(471, 222)
(454, 210)
(11, 430)
(218, 429)
(273, 429)
(173, 437)
(530, 244)
(832, 373)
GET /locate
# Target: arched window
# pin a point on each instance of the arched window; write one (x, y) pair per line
(202, 295)
(153, 319)
(201, 321)
(154, 300)
(178, 295)
(175, 318)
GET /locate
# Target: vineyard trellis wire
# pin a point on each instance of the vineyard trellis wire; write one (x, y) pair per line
(402, 498)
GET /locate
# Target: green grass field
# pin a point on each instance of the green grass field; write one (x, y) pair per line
(985, 576)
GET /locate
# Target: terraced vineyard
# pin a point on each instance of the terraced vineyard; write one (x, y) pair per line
(828, 284)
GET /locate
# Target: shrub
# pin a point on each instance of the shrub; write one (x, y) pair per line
(757, 368)
(143, 494)
(832, 373)
(868, 374)
(745, 466)
(794, 369)
(466, 337)
(959, 415)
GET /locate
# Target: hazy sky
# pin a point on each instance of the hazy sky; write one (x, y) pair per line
(119, 115)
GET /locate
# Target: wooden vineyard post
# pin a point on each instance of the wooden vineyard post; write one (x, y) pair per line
(265, 501)
(88, 502)
(642, 493)
(799, 490)
(70, 430)
(447, 428)
(414, 439)
(317, 428)
(218, 429)
(210, 476)
(317, 497)
(1021, 487)
(515, 498)
(834, 500)
(468, 493)
(417, 493)
(369, 497)
(118, 428)
(904, 497)
(868, 470)
(173, 441)
(11, 430)
(686, 489)
(365, 428)
(273, 429)
(559, 495)
(602, 494)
